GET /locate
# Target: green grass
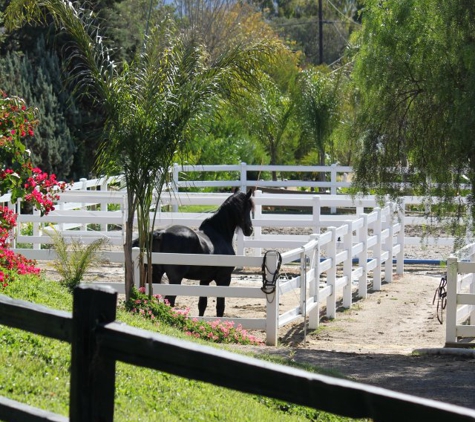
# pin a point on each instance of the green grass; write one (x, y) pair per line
(35, 371)
(198, 208)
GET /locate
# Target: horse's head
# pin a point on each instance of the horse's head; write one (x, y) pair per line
(247, 207)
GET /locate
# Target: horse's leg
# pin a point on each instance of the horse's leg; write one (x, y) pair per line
(203, 301)
(220, 301)
(172, 279)
(157, 276)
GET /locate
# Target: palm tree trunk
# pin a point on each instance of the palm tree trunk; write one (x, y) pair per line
(128, 261)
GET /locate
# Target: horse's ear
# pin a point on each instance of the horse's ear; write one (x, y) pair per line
(249, 194)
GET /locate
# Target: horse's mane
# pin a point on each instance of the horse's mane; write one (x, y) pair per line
(228, 215)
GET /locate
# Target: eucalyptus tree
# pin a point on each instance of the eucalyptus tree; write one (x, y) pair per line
(414, 75)
(150, 104)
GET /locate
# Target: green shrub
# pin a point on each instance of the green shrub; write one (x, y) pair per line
(75, 258)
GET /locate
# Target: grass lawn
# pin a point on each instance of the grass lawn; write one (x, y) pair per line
(35, 371)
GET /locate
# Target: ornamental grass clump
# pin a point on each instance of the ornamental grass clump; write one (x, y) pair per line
(74, 258)
(158, 309)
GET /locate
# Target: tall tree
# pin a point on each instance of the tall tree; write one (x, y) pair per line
(298, 21)
(317, 110)
(37, 78)
(149, 104)
(414, 74)
(268, 115)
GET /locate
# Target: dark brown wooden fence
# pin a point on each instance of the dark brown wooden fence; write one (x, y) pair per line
(98, 341)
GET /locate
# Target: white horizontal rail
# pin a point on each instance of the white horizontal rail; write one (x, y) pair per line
(206, 260)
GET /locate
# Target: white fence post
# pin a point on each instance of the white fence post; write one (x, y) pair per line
(272, 304)
(377, 251)
(244, 177)
(347, 267)
(471, 320)
(451, 309)
(303, 288)
(316, 213)
(400, 238)
(257, 232)
(239, 242)
(388, 244)
(331, 274)
(314, 315)
(363, 258)
(333, 190)
(175, 184)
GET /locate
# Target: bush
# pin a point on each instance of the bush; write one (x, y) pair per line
(155, 308)
(75, 258)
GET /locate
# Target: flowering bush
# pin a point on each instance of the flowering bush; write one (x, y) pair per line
(17, 175)
(21, 180)
(11, 263)
(7, 223)
(156, 309)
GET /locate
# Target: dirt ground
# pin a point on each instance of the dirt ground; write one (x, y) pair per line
(391, 339)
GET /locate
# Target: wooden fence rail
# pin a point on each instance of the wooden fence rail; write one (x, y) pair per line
(98, 341)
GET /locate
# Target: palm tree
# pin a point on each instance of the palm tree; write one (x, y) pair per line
(150, 104)
(317, 110)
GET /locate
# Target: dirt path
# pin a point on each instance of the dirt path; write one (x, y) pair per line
(373, 343)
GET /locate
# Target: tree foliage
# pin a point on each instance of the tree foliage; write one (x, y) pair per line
(317, 109)
(36, 77)
(414, 72)
(150, 103)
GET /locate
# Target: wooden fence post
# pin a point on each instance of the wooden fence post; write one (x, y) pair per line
(92, 376)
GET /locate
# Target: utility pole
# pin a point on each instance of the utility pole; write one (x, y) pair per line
(320, 31)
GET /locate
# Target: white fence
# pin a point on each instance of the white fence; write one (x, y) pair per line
(97, 195)
(337, 253)
(341, 253)
(460, 311)
(331, 264)
(337, 177)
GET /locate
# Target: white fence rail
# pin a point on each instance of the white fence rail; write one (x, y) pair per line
(460, 311)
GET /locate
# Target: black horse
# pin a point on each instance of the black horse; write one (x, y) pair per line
(214, 236)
